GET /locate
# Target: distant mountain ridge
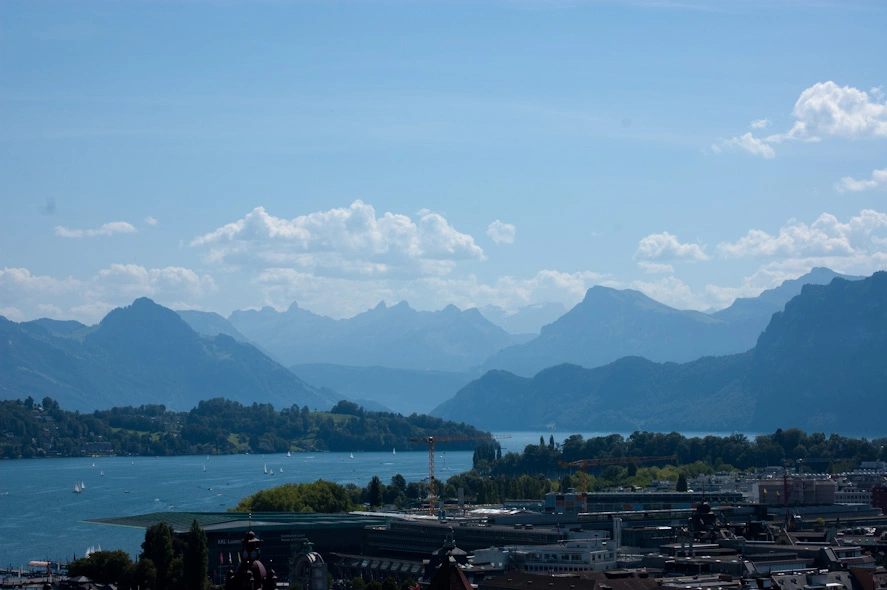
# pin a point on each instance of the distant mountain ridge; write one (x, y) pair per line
(142, 354)
(397, 337)
(402, 391)
(610, 324)
(818, 366)
(525, 320)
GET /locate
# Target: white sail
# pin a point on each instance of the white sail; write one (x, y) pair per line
(76, 487)
(265, 468)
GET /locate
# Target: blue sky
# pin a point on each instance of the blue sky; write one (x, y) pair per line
(231, 155)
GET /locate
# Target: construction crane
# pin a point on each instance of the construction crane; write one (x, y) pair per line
(584, 464)
(431, 441)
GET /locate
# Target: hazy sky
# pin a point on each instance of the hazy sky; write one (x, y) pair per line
(223, 155)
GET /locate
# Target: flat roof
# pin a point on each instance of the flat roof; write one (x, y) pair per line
(213, 521)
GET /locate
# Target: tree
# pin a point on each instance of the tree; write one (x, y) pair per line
(681, 486)
(375, 492)
(158, 549)
(398, 481)
(104, 567)
(196, 559)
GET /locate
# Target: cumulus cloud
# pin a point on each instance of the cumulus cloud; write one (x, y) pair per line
(150, 221)
(654, 268)
(760, 124)
(501, 233)
(88, 300)
(11, 313)
(107, 229)
(337, 297)
(348, 242)
(747, 142)
(877, 181)
(828, 110)
(666, 246)
(132, 280)
(825, 237)
(824, 110)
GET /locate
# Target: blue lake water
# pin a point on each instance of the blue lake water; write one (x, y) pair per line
(42, 518)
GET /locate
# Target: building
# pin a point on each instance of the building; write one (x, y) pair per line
(592, 554)
(796, 490)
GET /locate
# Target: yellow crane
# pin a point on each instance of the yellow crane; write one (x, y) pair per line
(431, 441)
(584, 464)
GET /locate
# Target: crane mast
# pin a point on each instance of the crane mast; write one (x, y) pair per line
(430, 441)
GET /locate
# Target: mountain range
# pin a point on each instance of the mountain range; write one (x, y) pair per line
(610, 324)
(818, 365)
(398, 337)
(141, 354)
(399, 359)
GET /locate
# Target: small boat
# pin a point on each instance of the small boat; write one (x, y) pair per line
(394, 451)
(102, 473)
(280, 470)
(77, 487)
(82, 485)
(271, 472)
(352, 455)
(265, 469)
(288, 454)
(204, 468)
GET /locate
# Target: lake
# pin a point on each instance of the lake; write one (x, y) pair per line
(42, 517)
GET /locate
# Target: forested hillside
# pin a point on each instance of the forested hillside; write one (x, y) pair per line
(217, 426)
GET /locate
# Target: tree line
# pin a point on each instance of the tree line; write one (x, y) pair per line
(217, 426)
(167, 562)
(814, 452)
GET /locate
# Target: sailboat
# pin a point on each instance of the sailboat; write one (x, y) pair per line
(82, 485)
(77, 487)
(394, 451)
(280, 470)
(265, 469)
(204, 468)
(352, 455)
(102, 473)
(272, 472)
(288, 454)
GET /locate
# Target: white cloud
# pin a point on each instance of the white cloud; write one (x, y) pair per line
(339, 297)
(108, 229)
(760, 124)
(12, 314)
(151, 221)
(90, 299)
(825, 237)
(131, 281)
(822, 111)
(747, 142)
(346, 242)
(653, 268)
(666, 246)
(19, 282)
(501, 233)
(878, 180)
(47, 310)
(828, 110)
